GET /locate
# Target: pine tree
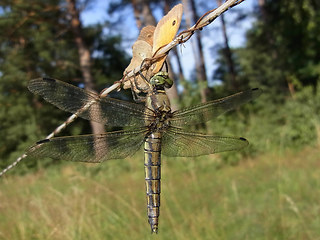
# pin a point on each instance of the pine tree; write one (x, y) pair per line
(38, 42)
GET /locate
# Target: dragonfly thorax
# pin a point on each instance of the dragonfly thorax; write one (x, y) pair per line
(159, 105)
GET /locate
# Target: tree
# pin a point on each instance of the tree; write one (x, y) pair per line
(39, 43)
(191, 18)
(84, 57)
(283, 48)
(231, 77)
(31, 47)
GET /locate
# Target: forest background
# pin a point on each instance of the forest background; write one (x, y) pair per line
(280, 55)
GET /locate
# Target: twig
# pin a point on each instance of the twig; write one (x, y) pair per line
(184, 36)
(74, 116)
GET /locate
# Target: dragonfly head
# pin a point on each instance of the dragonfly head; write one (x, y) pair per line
(161, 79)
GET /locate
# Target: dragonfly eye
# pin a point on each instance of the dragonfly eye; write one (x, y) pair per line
(168, 83)
(161, 79)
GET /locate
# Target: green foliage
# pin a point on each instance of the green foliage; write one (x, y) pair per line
(283, 46)
(281, 57)
(38, 42)
(293, 124)
(190, 95)
(110, 60)
(282, 50)
(263, 198)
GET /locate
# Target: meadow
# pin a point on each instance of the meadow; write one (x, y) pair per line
(268, 191)
(272, 196)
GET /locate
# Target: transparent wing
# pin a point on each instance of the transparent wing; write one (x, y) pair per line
(206, 111)
(90, 148)
(179, 143)
(69, 98)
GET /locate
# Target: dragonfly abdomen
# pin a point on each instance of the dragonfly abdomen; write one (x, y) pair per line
(152, 167)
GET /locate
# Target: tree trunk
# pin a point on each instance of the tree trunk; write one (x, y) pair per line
(192, 16)
(143, 13)
(261, 4)
(137, 14)
(181, 75)
(172, 92)
(84, 57)
(232, 82)
(201, 71)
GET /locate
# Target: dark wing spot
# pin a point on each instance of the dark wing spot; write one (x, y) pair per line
(174, 22)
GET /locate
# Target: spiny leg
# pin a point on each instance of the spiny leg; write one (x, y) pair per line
(135, 89)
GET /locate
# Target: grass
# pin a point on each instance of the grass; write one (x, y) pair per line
(275, 196)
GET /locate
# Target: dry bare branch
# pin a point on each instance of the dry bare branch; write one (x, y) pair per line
(184, 36)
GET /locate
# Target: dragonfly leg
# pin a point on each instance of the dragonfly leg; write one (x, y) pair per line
(135, 90)
(142, 89)
(166, 65)
(137, 97)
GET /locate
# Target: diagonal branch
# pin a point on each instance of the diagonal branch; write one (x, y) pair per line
(184, 36)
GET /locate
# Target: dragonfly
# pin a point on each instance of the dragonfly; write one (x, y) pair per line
(152, 125)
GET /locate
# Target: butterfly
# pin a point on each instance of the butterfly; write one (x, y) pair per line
(149, 41)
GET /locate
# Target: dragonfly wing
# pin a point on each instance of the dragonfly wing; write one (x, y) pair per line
(90, 148)
(206, 111)
(178, 143)
(112, 112)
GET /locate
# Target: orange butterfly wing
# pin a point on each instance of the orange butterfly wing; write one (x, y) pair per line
(141, 49)
(150, 40)
(165, 32)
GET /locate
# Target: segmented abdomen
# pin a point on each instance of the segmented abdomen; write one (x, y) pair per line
(152, 167)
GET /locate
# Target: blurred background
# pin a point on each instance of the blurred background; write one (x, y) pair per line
(270, 190)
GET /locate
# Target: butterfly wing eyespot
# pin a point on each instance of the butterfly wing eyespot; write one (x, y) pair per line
(165, 32)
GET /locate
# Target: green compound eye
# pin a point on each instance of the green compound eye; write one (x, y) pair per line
(161, 79)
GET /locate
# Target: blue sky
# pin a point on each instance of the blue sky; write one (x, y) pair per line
(97, 13)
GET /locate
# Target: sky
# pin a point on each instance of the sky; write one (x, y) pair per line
(212, 34)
